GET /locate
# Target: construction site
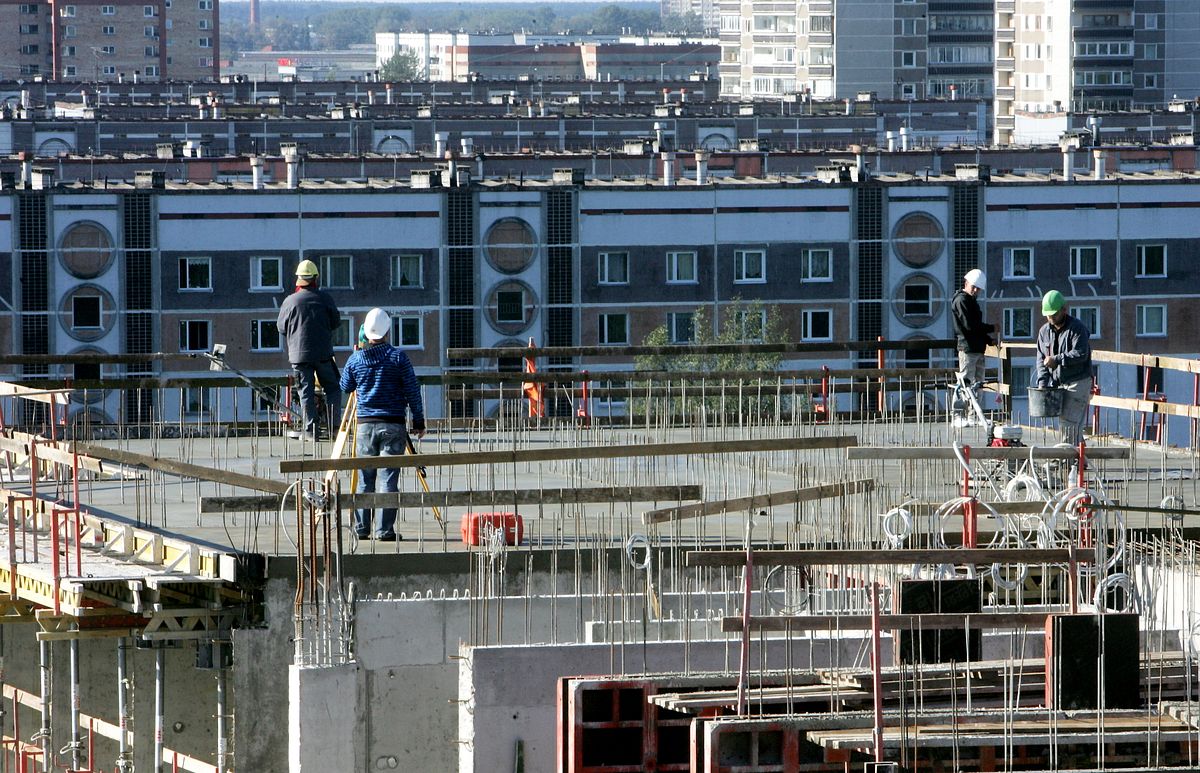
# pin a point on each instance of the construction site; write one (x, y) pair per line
(798, 569)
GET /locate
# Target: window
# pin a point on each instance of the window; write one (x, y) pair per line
(1150, 80)
(152, 69)
(816, 325)
(149, 31)
(342, 338)
(264, 335)
(1152, 320)
(68, 70)
(750, 325)
(29, 29)
(108, 49)
(109, 30)
(1022, 377)
(749, 266)
(108, 10)
(195, 274)
(1151, 51)
(85, 312)
(194, 335)
(681, 327)
(1085, 262)
(29, 8)
(1102, 48)
(266, 273)
(681, 268)
(197, 400)
(918, 299)
(1018, 322)
(109, 69)
(67, 11)
(205, 24)
(204, 5)
(406, 331)
(151, 51)
(1089, 316)
(1018, 263)
(69, 31)
(1151, 260)
(336, 273)
(909, 27)
(820, 24)
(204, 42)
(816, 266)
(614, 329)
(406, 271)
(908, 58)
(510, 306)
(614, 268)
(147, 11)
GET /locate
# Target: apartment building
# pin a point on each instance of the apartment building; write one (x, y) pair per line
(707, 10)
(1090, 55)
(110, 40)
(894, 48)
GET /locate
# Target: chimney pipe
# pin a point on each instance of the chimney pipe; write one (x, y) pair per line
(389, 93)
(1100, 156)
(702, 167)
(441, 139)
(904, 138)
(26, 159)
(891, 142)
(682, 95)
(256, 172)
(1068, 164)
(479, 166)
(668, 164)
(468, 146)
(666, 96)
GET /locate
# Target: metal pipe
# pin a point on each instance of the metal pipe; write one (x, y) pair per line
(76, 744)
(124, 756)
(222, 730)
(877, 669)
(160, 665)
(44, 732)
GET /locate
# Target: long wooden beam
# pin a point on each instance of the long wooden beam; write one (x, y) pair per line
(761, 501)
(54, 451)
(1146, 406)
(56, 396)
(709, 376)
(887, 453)
(787, 347)
(184, 469)
(955, 556)
(928, 621)
(500, 498)
(563, 454)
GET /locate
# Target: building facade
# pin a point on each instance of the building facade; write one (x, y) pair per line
(111, 40)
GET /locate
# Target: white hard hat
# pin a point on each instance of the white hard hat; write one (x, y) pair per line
(377, 325)
(977, 278)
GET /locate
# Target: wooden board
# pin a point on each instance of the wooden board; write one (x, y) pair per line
(761, 501)
(955, 556)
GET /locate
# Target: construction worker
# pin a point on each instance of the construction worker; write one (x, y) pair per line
(1064, 360)
(383, 378)
(973, 335)
(307, 319)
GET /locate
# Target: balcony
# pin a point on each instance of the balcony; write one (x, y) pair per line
(820, 6)
(1006, 6)
(1006, 35)
(1005, 122)
(820, 71)
(820, 38)
(1006, 93)
(1006, 64)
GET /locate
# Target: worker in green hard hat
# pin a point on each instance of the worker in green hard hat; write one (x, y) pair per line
(1065, 362)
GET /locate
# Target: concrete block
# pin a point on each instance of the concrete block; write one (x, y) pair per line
(325, 709)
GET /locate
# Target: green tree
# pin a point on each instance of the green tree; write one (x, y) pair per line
(402, 66)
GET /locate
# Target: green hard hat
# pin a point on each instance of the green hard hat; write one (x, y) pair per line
(1052, 302)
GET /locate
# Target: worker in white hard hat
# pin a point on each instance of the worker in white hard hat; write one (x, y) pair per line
(972, 332)
(307, 319)
(388, 393)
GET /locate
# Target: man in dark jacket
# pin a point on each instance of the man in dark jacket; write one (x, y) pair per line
(972, 332)
(383, 378)
(307, 320)
(1064, 360)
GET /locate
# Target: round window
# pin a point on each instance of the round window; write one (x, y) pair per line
(918, 239)
(511, 307)
(510, 245)
(918, 300)
(87, 312)
(86, 250)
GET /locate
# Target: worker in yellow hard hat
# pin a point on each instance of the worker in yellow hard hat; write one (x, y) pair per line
(1064, 361)
(307, 319)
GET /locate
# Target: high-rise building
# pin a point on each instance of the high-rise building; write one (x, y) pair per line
(707, 10)
(1054, 57)
(895, 48)
(107, 40)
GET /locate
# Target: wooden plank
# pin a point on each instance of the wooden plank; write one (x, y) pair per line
(711, 376)
(931, 621)
(183, 469)
(561, 454)
(889, 453)
(788, 347)
(498, 498)
(94, 358)
(51, 451)
(955, 556)
(767, 501)
(1146, 406)
(1185, 364)
(57, 396)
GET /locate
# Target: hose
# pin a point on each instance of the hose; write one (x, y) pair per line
(1133, 599)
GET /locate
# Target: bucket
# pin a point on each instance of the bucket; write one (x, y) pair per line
(1044, 402)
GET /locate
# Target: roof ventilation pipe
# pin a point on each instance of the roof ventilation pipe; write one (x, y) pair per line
(702, 167)
(256, 173)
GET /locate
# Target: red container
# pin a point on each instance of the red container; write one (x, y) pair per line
(476, 526)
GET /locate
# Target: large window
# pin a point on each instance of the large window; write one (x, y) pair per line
(406, 331)
(336, 272)
(1018, 263)
(510, 305)
(1018, 322)
(751, 325)
(1089, 316)
(681, 268)
(194, 335)
(614, 268)
(1152, 320)
(1102, 48)
(195, 274)
(816, 325)
(343, 339)
(1085, 262)
(266, 273)
(749, 266)
(406, 271)
(614, 329)
(264, 335)
(1152, 260)
(918, 299)
(681, 327)
(816, 266)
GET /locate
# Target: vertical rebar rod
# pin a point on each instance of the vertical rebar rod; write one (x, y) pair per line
(122, 705)
(160, 690)
(76, 745)
(222, 730)
(44, 733)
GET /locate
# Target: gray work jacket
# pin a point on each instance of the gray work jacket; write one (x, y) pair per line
(1070, 345)
(307, 320)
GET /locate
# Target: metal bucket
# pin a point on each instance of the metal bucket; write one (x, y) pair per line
(1045, 402)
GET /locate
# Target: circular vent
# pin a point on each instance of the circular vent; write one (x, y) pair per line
(510, 245)
(86, 250)
(88, 312)
(918, 239)
(918, 300)
(511, 307)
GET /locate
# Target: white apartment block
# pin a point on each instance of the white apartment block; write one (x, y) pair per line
(1059, 56)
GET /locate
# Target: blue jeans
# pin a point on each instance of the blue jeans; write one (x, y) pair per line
(378, 439)
(307, 374)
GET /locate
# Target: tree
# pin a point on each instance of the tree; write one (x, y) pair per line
(403, 66)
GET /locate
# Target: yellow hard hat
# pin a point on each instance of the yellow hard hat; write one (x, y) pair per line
(307, 270)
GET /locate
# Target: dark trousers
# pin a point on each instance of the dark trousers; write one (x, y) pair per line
(307, 374)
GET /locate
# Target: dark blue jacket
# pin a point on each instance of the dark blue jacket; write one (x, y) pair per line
(385, 383)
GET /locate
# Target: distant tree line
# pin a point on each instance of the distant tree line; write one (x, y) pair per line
(338, 25)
